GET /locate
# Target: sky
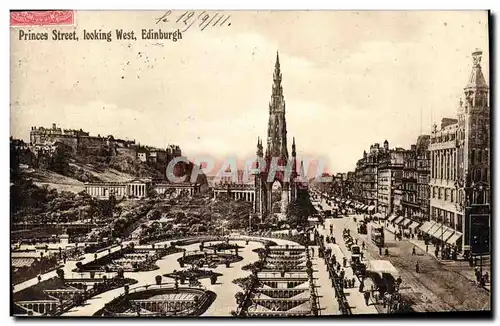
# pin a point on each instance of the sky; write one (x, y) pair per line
(350, 79)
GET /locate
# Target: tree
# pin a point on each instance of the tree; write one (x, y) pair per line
(60, 160)
(14, 162)
(300, 209)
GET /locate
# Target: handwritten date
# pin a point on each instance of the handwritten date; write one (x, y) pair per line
(201, 20)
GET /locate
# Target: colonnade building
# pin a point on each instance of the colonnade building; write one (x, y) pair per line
(138, 189)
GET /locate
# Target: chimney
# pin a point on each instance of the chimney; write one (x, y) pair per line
(54, 126)
(386, 145)
(413, 147)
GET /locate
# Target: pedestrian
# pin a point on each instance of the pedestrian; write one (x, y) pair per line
(344, 262)
(417, 268)
(413, 251)
(353, 282)
(361, 286)
(478, 274)
(426, 248)
(367, 297)
(375, 296)
(380, 251)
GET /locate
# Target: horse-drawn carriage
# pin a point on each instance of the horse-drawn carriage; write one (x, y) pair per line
(358, 267)
(362, 228)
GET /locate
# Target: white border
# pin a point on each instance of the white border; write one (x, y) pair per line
(190, 4)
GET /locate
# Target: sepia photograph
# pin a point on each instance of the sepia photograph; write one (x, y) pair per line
(272, 163)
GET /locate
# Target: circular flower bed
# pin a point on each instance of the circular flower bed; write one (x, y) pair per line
(192, 273)
(208, 259)
(224, 246)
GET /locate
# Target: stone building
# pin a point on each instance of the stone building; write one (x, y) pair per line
(139, 189)
(460, 168)
(78, 140)
(389, 177)
(423, 177)
(415, 187)
(366, 188)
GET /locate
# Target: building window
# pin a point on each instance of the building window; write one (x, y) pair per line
(439, 193)
(459, 223)
(452, 195)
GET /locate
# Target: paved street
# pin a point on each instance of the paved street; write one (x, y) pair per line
(438, 286)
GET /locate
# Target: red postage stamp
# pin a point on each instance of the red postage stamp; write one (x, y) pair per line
(42, 18)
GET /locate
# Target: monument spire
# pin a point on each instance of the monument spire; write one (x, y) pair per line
(276, 133)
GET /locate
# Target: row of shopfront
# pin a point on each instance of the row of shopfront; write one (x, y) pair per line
(443, 234)
(358, 207)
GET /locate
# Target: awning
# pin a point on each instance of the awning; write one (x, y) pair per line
(399, 219)
(427, 226)
(382, 266)
(371, 208)
(437, 231)
(414, 224)
(447, 233)
(454, 238)
(406, 221)
(434, 228)
(392, 217)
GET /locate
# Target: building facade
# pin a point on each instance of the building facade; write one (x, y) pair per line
(139, 189)
(423, 178)
(80, 141)
(366, 172)
(390, 176)
(460, 167)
